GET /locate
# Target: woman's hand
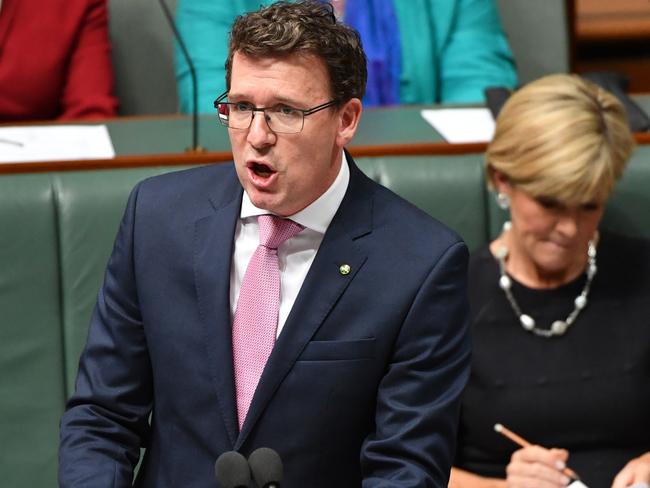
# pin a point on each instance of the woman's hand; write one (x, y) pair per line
(538, 467)
(635, 473)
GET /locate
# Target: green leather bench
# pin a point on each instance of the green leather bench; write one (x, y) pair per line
(57, 230)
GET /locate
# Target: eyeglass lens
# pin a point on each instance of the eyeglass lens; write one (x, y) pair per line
(279, 119)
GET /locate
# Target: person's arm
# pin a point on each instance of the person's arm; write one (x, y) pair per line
(106, 420)
(205, 26)
(418, 399)
(636, 472)
(88, 91)
(460, 478)
(475, 55)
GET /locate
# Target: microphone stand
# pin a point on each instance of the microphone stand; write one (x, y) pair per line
(195, 114)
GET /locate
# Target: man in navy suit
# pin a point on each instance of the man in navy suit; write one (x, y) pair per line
(370, 350)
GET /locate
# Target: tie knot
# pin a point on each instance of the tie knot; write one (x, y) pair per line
(275, 230)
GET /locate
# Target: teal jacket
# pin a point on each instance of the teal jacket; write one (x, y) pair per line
(451, 49)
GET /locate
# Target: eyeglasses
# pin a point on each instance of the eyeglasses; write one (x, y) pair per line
(280, 118)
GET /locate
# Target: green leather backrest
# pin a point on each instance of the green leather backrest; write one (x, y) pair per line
(449, 188)
(56, 232)
(90, 207)
(628, 210)
(31, 350)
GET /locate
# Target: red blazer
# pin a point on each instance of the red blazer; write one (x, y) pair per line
(55, 60)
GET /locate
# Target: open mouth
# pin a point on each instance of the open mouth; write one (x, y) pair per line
(261, 170)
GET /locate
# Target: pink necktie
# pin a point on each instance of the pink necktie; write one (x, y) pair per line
(256, 316)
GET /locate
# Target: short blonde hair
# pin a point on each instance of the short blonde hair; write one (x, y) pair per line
(563, 137)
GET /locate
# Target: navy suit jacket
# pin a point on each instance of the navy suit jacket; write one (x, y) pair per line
(361, 389)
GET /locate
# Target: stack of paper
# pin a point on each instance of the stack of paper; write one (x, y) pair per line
(55, 143)
(460, 125)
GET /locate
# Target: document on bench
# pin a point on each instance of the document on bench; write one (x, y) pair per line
(461, 125)
(54, 143)
(577, 484)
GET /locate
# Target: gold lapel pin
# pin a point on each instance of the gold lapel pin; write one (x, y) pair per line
(344, 269)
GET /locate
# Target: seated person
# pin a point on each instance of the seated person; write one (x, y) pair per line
(419, 51)
(55, 60)
(559, 309)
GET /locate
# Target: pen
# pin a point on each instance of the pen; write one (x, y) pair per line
(517, 439)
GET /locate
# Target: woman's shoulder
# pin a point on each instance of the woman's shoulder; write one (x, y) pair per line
(623, 249)
(481, 258)
(618, 239)
(483, 269)
(624, 260)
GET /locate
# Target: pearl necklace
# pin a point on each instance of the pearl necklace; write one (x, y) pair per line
(559, 327)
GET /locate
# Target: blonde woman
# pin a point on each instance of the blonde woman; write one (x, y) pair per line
(560, 310)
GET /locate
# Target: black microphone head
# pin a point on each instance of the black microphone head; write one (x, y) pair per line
(232, 470)
(266, 466)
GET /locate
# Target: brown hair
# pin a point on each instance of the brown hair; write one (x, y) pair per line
(564, 137)
(306, 27)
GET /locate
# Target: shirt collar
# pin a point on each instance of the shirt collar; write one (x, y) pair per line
(317, 215)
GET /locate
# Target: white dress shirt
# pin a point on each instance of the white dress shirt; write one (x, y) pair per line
(295, 255)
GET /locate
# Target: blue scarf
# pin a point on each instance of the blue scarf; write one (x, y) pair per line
(376, 22)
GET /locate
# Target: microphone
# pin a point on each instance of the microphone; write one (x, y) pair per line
(266, 466)
(195, 113)
(232, 470)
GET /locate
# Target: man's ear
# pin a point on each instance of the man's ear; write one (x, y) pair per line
(349, 116)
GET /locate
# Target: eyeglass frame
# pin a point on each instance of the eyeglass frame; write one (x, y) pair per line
(253, 109)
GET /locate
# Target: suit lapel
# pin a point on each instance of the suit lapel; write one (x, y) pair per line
(213, 245)
(321, 289)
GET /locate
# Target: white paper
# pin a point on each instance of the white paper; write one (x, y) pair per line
(577, 484)
(458, 125)
(55, 143)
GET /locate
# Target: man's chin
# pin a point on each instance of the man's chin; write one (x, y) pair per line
(265, 200)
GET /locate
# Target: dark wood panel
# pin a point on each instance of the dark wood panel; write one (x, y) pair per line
(614, 35)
